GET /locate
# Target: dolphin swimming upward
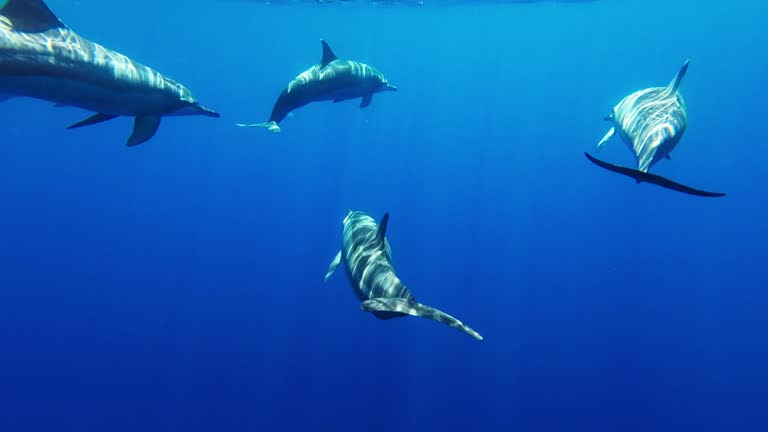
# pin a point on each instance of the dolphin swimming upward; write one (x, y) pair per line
(651, 122)
(42, 58)
(331, 79)
(368, 259)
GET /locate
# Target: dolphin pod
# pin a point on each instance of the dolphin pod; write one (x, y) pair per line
(331, 79)
(42, 58)
(367, 257)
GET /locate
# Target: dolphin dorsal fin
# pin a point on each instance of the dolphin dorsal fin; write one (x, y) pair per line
(29, 16)
(328, 55)
(381, 233)
(675, 84)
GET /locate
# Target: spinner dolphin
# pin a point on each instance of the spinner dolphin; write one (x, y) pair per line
(332, 79)
(368, 260)
(651, 122)
(42, 58)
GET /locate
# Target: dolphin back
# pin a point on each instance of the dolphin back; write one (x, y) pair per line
(651, 121)
(413, 308)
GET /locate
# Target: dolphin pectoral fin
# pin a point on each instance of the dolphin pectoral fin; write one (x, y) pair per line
(403, 306)
(29, 16)
(606, 138)
(331, 268)
(144, 128)
(94, 119)
(645, 177)
(270, 126)
(366, 100)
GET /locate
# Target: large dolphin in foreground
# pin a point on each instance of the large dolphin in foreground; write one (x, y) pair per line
(651, 122)
(42, 58)
(331, 79)
(368, 259)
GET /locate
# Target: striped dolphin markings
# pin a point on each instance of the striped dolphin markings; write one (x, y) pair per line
(367, 257)
(42, 58)
(651, 122)
(332, 79)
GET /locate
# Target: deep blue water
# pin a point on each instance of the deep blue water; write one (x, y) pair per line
(177, 286)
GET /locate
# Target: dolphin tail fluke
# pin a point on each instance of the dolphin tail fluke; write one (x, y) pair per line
(144, 128)
(606, 138)
(92, 120)
(409, 307)
(645, 177)
(675, 84)
(270, 126)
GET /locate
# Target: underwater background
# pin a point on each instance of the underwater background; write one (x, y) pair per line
(177, 286)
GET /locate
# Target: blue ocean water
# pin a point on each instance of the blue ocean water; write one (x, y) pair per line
(178, 285)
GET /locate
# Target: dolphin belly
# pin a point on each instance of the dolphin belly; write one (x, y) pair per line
(87, 95)
(342, 93)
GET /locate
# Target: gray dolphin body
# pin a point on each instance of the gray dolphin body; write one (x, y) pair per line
(368, 260)
(332, 79)
(651, 123)
(42, 58)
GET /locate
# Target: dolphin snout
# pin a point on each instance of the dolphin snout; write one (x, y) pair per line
(208, 112)
(194, 108)
(390, 87)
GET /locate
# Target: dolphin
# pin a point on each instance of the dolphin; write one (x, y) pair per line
(42, 58)
(368, 260)
(651, 122)
(331, 79)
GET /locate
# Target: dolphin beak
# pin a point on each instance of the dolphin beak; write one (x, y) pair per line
(391, 88)
(207, 111)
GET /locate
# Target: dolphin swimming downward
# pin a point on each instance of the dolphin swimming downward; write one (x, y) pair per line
(42, 58)
(331, 79)
(651, 122)
(368, 259)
